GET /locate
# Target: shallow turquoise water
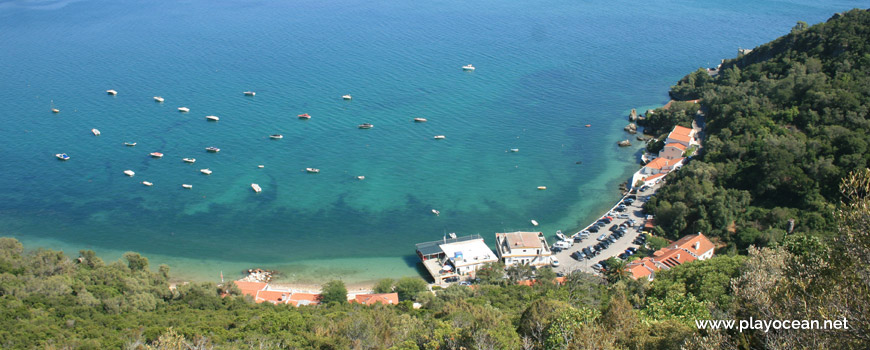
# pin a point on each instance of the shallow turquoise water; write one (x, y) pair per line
(544, 69)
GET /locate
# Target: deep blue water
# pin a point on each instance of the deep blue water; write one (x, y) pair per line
(544, 69)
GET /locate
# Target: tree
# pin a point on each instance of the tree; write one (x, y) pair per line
(545, 276)
(615, 270)
(333, 292)
(136, 262)
(409, 287)
(519, 272)
(491, 273)
(384, 285)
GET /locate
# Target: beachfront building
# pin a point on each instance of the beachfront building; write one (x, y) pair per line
(528, 248)
(452, 259)
(685, 250)
(655, 170)
(264, 293)
(371, 299)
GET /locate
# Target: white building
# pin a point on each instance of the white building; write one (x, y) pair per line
(455, 257)
(523, 248)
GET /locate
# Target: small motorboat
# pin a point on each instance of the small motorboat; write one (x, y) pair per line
(588, 125)
(467, 67)
(542, 187)
(439, 137)
(187, 186)
(419, 120)
(205, 171)
(249, 93)
(360, 177)
(213, 118)
(158, 99)
(129, 144)
(365, 126)
(111, 92)
(534, 223)
(189, 160)
(256, 188)
(436, 212)
(213, 149)
(96, 132)
(146, 183)
(312, 170)
(55, 110)
(261, 166)
(515, 149)
(62, 156)
(129, 172)
(346, 97)
(304, 116)
(183, 109)
(276, 136)
(452, 235)
(561, 236)
(157, 154)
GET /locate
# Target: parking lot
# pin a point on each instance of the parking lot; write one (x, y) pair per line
(634, 211)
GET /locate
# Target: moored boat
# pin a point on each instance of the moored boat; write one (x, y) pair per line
(542, 187)
(189, 160)
(129, 144)
(276, 136)
(420, 120)
(304, 116)
(346, 97)
(249, 93)
(440, 137)
(146, 183)
(187, 186)
(157, 154)
(365, 126)
(312, 170)
(158, 99)
(206, 171)
(360, 177)
(261, 166)
(213, 149)
(62, 156)
(213, 118)
(129, 172)
(467, 67)
(534, 223)
(96, 132)
(183, 109)
(515, 149)
(436, 212)
(55, 110)
(111, 92)
(256, 188)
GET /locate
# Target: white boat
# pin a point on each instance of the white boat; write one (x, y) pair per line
(213, 118)
(256, 188)
(55, 110)
(420, 120)
(96, 132)
(249, 93)
(187, 186)
(146, 183)
(467, 67)
(534, 223)
(346, 97)
(360, 177)
(111, 92)
(312, 170)
(129, 172)
(261, 166)
(183, 109)
(452, 235)
(158, 98)
(62, 156)
(129, 144)
(365, 126)
(213, 149)
(205, 171)
(542, 187)
(439, 137)
(561, 236)
(276, 136)
(515, 149)
(157, 154)
(304, 116)
(436, 212)
(189, 160)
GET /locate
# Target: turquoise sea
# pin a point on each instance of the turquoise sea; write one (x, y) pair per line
(544, 70)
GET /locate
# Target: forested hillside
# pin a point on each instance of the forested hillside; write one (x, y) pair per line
(784, 124)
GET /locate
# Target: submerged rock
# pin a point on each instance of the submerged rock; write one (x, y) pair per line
(624, 143)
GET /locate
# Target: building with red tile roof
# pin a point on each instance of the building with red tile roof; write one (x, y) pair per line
(698, 245)
(262, 293)
(681, 135)
(251, 288)
(523, 248)
(298, 299)
(645, 267)
(673, 151)
(371, 299)
(685, 250)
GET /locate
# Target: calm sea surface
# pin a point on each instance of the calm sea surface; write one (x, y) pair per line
(544, 70)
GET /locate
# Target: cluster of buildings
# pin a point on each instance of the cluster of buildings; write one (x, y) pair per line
(452, 259)
(686, 249)
(670, 158)
(265, 293)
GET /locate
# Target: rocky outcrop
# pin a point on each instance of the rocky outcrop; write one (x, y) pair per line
(631, 128)
(258, 275)
(624, 143)
(644, 137)
(633, 115)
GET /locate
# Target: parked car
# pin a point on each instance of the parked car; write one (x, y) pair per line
(578, 238)
(597, 267)
(623, 256)
(623, 216)
(554, 261)
(602, 237)
(465, 283)
(593, 229)
(632, 250)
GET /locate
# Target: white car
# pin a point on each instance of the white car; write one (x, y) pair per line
(554, 261)
(562, 245)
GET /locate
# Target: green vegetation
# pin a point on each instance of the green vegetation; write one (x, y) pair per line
(786, 138)
(784, 124)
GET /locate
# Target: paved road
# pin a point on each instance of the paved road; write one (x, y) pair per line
(567, 264)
